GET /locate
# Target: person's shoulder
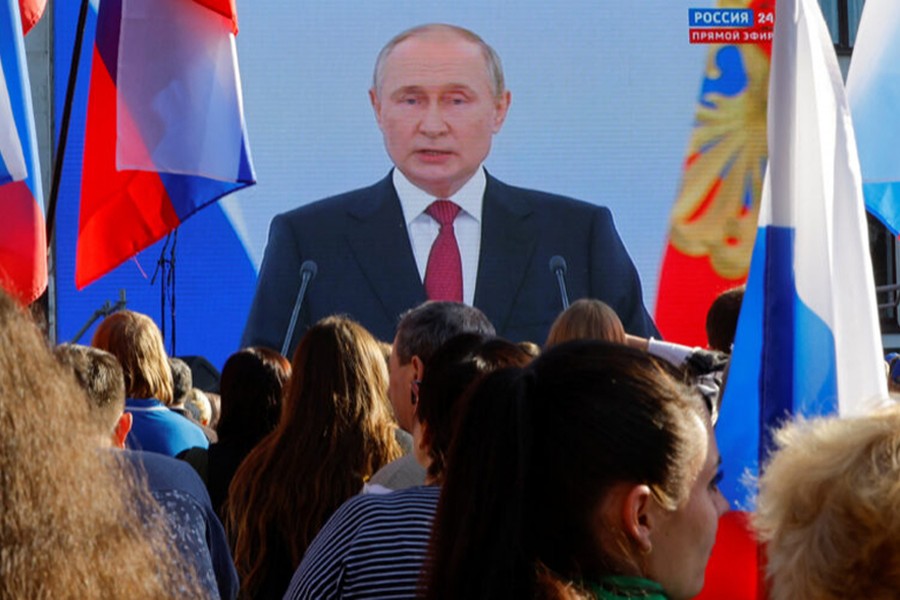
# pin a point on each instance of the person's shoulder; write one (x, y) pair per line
(198, 458)
(390, 503)
(399, 507)
(156, 464)
(367, 517)
(400, 473)
(189, 429)
(540, 200)
(335, 205)
(406, 495)
(164, 472)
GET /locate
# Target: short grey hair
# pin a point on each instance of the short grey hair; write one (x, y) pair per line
(425, 328)
(182, 380)
(491, 58)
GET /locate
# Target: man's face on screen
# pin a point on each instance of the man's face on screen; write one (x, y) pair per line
(437, 110)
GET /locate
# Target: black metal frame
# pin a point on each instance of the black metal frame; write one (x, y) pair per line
(843, 47)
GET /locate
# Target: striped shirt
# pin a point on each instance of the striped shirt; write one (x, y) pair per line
(373, 546)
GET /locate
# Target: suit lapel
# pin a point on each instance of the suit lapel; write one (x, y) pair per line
(508, 241)
(377, 236)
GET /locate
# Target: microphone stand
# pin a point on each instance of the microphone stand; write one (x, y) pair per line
(308, 272)
(558, 267)
(104, 311)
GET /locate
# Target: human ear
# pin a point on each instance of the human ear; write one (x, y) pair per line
(376, 104)
(501, 108)
(121, 430)
(418, 368)
(638, 516)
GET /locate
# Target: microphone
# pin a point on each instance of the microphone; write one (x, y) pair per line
(558, 268)
(308, 271)
(120, 303)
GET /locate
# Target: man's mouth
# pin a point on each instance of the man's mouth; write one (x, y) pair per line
(428, 156)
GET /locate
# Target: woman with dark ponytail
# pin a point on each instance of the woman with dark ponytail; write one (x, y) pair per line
(590, 474)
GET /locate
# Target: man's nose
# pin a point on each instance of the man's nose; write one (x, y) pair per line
(433, 122)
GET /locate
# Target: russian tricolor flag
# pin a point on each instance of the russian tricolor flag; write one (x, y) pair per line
(23, 247)
(873, 87)
(808, 339)
(31, 11)
(165, 133)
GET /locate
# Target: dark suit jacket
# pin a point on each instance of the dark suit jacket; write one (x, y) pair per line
(366, 267)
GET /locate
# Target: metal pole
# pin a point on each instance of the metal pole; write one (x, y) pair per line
(59, 158)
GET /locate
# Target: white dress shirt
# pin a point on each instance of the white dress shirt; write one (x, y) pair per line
(423, 229)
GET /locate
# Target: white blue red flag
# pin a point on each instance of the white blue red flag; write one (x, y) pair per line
(165, 133)
(808, 338)
(31, 11)
(23, 247)
(873, 88)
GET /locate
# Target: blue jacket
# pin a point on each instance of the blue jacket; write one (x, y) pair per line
(155, 428)
(198, 533)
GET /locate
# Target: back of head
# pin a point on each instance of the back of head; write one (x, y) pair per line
(100, 375)
(829, 509)
(423, 329)
(536, 451)
(338, 385)
(69, 524)
(453, 368)
(586, 319)
(198, 406)
(182, 381)
(722, 318)
(335, 431)
(252, 385)
(215, 403)
(135, 340)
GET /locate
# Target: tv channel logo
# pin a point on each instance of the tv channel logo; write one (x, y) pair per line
(721, 17)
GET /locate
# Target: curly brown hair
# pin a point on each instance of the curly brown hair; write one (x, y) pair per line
(74, 521)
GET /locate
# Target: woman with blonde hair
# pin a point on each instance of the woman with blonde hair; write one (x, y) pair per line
(828, 509)
(135, 340)
(74, 522)
(335, 431)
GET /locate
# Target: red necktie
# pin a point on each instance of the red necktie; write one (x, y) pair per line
(443, 275)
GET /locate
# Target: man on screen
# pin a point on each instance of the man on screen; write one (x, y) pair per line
(439, 226)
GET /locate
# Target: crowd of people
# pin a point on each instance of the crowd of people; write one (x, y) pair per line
(587, 471)
(451, 463)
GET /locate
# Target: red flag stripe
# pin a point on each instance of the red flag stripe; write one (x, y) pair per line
(226, 8)
(112, 200)
(23, 247)
(31, 11)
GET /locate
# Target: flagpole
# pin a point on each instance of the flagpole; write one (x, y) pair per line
(59, 158)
